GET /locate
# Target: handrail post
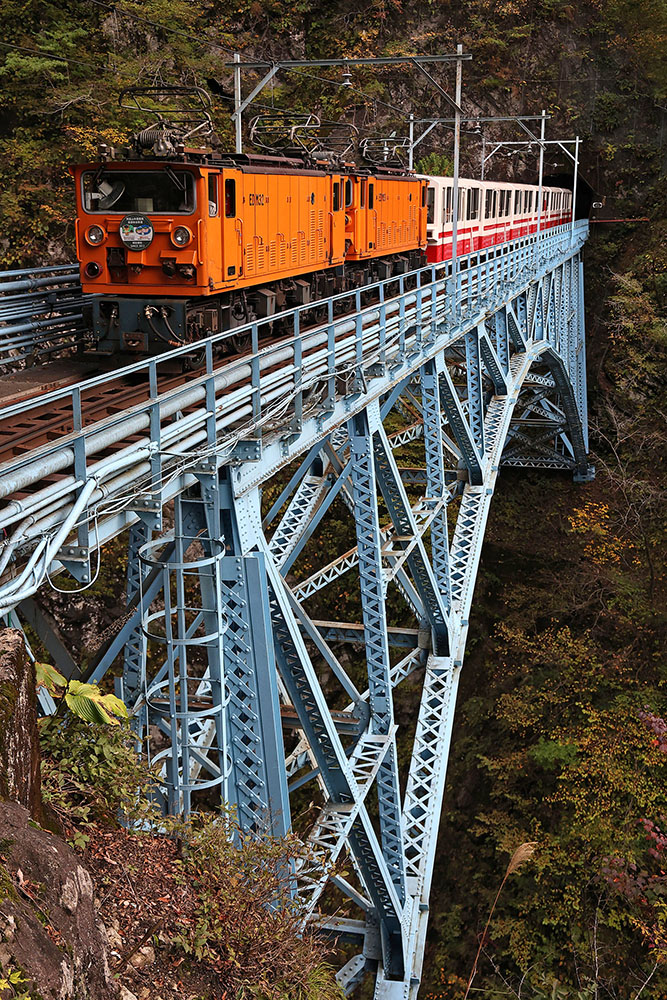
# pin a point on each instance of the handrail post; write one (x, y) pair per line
(237, 102)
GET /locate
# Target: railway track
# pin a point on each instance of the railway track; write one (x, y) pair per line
(74, 460)
(39, 408)
(29, 423)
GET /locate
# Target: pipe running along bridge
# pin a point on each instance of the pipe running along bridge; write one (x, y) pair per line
(223, 479)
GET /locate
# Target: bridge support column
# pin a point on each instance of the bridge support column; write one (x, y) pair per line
(474, 379)
(215, 694)
(436, 491)
(364, 493)
(133, 652)
(258, 783)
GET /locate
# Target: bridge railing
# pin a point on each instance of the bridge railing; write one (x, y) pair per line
(236, 411)
(480, 274)
(41, 313)
(42, 310)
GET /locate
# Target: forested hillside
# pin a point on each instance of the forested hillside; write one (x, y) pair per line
(561, 731)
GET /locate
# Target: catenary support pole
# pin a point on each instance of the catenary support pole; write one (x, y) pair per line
(574, 185)
(457, 151)
(541, 174)
(237, 102)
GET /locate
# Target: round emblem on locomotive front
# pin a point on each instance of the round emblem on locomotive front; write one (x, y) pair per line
(136, 232)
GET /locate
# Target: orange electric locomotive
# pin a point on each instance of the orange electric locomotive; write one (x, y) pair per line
(176, 243)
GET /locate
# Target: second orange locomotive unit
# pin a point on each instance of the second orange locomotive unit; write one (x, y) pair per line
(178, 247)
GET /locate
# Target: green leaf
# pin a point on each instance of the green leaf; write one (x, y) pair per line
(115, 705)
(48, 677)
(89, 710)
(88, 703)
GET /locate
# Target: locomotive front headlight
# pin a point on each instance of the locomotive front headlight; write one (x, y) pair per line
(181, 236)
(95, 235)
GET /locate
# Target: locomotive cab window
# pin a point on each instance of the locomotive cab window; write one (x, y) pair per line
(371, 195)
(230, 198)
(362, 193)
(336, 196)
(348, 193)
(156, 192)
(212, 195)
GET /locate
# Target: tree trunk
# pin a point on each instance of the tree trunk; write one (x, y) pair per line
(19, 739)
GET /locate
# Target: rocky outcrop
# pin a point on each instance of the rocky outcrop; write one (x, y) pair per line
(48, 923)
(19, 742)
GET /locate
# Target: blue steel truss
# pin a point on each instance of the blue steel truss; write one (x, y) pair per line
(384, 418)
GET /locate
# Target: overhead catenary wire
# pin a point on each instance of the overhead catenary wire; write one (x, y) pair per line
(46, 53)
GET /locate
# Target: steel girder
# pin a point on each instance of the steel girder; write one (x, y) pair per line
(435, 392)
(133, 653)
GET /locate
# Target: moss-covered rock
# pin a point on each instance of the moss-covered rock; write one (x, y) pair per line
(48, 922)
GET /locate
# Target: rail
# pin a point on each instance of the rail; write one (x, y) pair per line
(42, 312)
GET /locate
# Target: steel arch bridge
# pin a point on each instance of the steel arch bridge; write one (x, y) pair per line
(225, 485)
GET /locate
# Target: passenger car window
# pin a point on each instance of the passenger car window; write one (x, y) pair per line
(430, 206)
